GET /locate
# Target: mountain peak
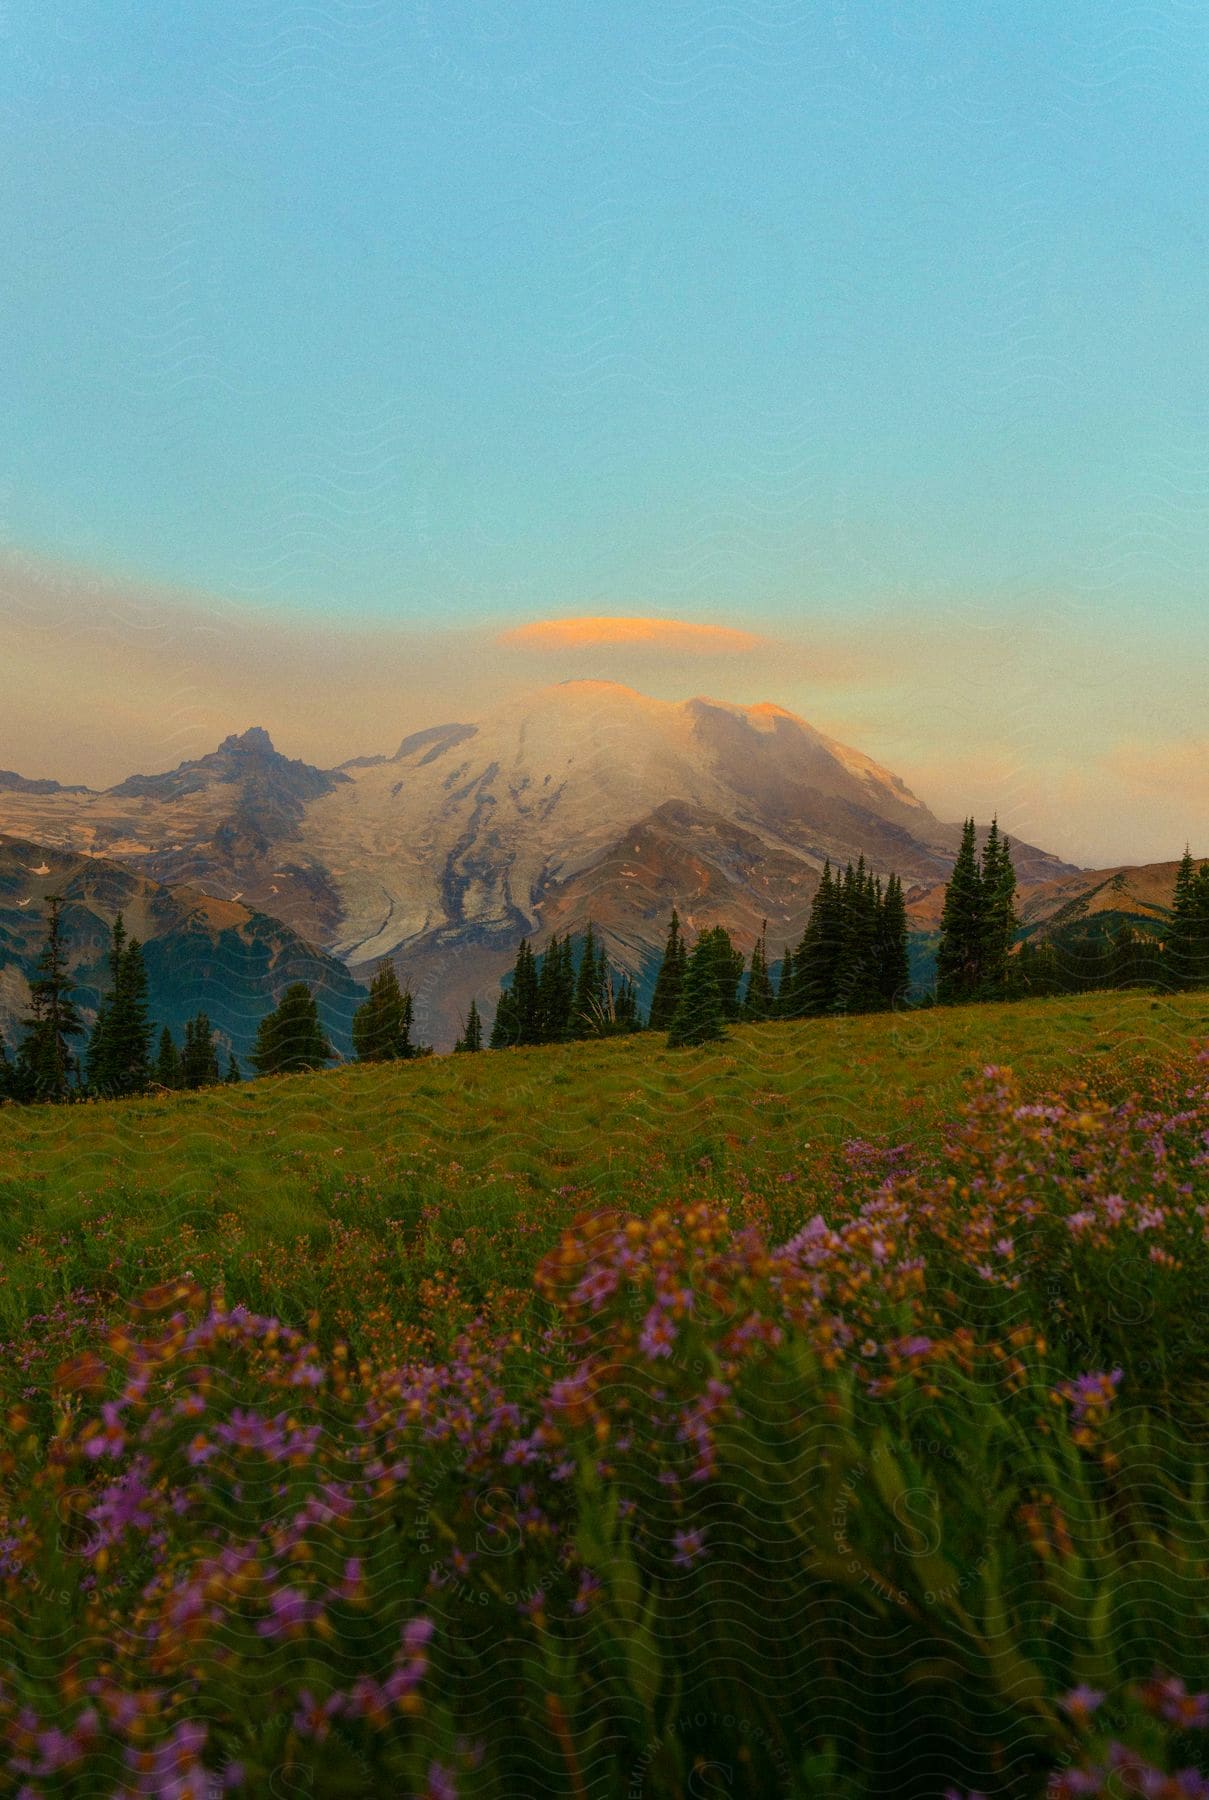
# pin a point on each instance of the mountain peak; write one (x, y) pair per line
(255, 740)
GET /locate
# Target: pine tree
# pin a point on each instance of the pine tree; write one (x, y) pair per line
(504, 1027)
(959, 954)
(168, 1062)
(815, 986)
(119, 1051)
(998, 890)
(588, 1012)
(1180, 957)
(759, 1002)
(382, 1024)
(553, 1002)
(1200, 896)
(785, 983)
(45, 1061)
(7, 1082)
(856, 975)
(472, 1032)
(700, 1014)
(199, 1058)
(625, 1007)
(233, 1075)
(670, 979)
(728, 968)
(291, 1038)
(894, 968)
(525, 996)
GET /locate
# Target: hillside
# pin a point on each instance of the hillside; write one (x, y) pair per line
(202, 953)
(590, 1120)
(580, 801)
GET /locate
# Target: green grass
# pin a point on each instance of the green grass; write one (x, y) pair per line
(884, 1506)
(459, 1172)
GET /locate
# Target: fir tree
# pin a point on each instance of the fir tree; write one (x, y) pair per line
(45, 1061)
(119, 1051)
(759, 1002)
(959, 954)
(700, 1015)
(525, 996)
(472, 1032)
(728, 968)
(291, 1038)
(168, 1062)
(382, 1025)
(856, 972)
(503, 1029)
(233, 1075)
(199, 1058)
(815, 986)
(625, 1007)
(7, 1083)
(589, 1009)
(670, 978)
(555, 991)
(504, 1023)
(1180, 949)
(785, 982)
(1201, 905)
(998, 889)
(894, 968)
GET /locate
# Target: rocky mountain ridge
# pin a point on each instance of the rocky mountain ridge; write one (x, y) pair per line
(585, 800)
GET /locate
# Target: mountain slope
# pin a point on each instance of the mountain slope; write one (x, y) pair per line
(580, 801)
(202, 954)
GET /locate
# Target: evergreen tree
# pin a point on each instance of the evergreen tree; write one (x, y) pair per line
(382, 1024)
(815, 986)
(728, 968)
(785, 981)
(700, 1015)
(670, 979)
(1180, 950)
(291, 1037)
(555, 991)
(472, 1032)
(119, 1051)
(7, 1083)
(998, 886)
(168, 1062)
(233, 1076)
(894, 968)
(856, 973)
(962, 932)
(589, 1011)
(759, 1002)
(625, 1007)
(1201, 906)
(504, 1026)
(199, 1058)
(45, 1061)
(525, 996)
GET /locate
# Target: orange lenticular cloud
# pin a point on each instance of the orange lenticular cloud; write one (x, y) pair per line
(679, 635)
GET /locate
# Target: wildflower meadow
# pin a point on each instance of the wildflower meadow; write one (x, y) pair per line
(801, 1456)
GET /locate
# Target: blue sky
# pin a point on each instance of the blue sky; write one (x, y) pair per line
(874, 327)
(500, 309)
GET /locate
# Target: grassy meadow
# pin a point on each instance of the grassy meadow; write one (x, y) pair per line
(825, 1412)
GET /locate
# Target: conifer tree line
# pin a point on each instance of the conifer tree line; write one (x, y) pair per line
(852, 956)
(1083, 961)
(978, 924)
(554, 998)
